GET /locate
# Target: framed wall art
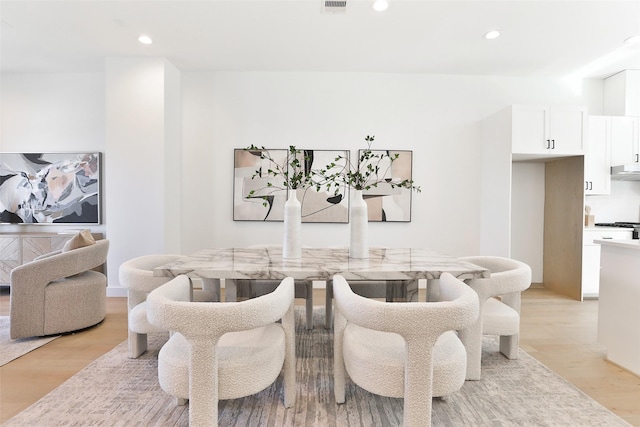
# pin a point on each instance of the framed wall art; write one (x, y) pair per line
(260, 196)
(384, 202)
(50, 188)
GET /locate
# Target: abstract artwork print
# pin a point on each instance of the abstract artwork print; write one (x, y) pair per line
(50, 188)
(258, 196)
(325, 204)
(384, 203)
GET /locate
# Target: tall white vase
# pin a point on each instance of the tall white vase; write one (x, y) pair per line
(292, 246)
(358, 227)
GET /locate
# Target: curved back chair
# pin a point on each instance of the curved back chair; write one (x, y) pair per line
(508, 279)
(251, 288)
(390, 290)
(407, 350)
(136, 276)
(59, 292)
(223, 350)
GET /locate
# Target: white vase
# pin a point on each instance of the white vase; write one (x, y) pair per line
(358, 227)
(292, 246)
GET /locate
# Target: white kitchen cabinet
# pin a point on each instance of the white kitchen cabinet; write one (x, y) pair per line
(597, 158)
(559, 181)
(591, 256)
(548, 130)
(625, 140)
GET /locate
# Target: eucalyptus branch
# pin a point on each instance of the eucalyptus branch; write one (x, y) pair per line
(366, 174)
(291, 170)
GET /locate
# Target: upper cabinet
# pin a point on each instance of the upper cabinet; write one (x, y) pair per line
(541, 131)
(597, 165)
(625, 143)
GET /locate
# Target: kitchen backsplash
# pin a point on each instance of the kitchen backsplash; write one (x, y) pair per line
(622, 205)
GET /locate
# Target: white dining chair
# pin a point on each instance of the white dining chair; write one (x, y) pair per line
(137, 277)
(499, 297)
(223, 350)
(251, 288)
(402, 350)
(390, 290)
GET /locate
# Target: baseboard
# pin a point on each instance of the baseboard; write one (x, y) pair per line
(116, 292)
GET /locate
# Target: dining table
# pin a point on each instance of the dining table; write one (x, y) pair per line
(400, 266)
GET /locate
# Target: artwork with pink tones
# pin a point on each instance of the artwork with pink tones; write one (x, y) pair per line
(50, 188)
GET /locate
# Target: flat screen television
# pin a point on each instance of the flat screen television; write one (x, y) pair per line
(50, 188)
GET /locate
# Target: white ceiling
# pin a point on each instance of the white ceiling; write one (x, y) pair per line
(540, 38)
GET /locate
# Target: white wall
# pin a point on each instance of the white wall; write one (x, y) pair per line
(622, 205)
(51, 113)
(142, 159)
(527, 223)
(438, 117)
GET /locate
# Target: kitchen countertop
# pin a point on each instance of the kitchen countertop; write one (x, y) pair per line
(604, 227)
(626, 244)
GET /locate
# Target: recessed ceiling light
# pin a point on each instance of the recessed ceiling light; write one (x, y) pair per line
(633, 40)
(380, 5)
(493, 34)
(144, 39)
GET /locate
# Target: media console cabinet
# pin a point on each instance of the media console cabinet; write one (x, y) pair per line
(19, 248)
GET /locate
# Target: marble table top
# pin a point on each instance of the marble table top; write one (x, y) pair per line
(320, 264)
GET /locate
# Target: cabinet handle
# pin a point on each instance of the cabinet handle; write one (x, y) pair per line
(586, 185)
(553, 144)
(637, 155)
(548, 144)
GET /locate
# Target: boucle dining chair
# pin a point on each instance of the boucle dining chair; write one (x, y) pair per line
(403, 350)
(391, 290)
(251, 288)
(223, 350)
(136, 276)
(499, 297)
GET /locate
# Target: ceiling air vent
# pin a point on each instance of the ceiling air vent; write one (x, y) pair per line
(334, 6)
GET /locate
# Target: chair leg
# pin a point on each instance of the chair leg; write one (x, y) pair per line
(309, 307)
(180, 401)
(339, 370)
(328, 304)
(137, 344)
(471, 337)
(509, 346)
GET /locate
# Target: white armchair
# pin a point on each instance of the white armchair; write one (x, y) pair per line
(223, 350)
(251, 288)
(402, 350)
(499, 297)
(136, 275)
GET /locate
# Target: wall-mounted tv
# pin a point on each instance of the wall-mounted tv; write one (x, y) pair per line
(50, 188)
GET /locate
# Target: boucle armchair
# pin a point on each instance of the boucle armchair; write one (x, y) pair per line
(402, 350)
(136, 276)
(498, 316)
(223, 350)
(59, 292)
(251, 288)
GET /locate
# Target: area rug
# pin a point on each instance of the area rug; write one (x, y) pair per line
(12, 349)
(117, 391)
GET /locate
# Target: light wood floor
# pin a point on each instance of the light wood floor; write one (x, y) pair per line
(558, 331)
